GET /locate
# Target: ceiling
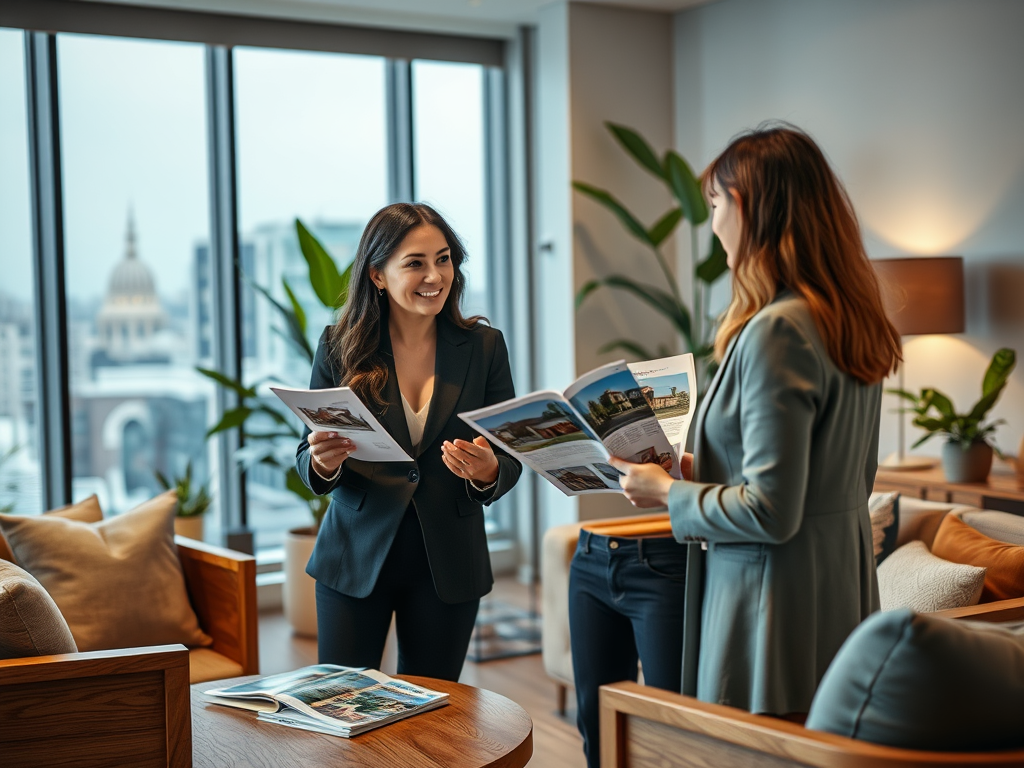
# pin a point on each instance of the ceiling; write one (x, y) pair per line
(498, 17)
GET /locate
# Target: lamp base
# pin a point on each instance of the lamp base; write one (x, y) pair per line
(903, 463)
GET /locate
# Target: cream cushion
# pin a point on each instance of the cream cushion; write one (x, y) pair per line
(30, 623)
(118, 583)
(912, 577)
(87, 511)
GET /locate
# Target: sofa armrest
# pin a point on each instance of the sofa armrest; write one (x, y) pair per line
(222, 587)
(998, 611)
(645, 727)
(128, 706)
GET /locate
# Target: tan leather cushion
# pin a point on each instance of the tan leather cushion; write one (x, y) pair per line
(205, 664)
(87, 510)
(118, 582)
(958, 542)
(30, 624)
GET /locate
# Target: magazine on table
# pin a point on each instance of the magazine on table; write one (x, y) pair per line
(340, 410)
(341, 701)
(640, 412)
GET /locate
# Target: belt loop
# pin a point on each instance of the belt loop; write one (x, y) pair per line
(586, 542)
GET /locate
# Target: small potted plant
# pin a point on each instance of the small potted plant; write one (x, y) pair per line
(193, 501)
(967, 454)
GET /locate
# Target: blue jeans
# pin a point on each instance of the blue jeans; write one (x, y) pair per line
(626, 599)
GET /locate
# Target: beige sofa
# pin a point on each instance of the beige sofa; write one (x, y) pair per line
(919, 520)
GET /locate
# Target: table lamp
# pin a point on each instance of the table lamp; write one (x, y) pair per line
(923, 295)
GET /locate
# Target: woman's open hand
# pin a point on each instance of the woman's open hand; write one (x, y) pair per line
(328, 451)
(474, 461)
(645, 485)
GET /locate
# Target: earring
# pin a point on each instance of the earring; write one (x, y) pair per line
(380, 291)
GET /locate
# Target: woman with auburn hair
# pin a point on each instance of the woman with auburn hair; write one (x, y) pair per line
(406, 539)
(786, 439)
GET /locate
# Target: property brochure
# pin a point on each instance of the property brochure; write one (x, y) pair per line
(640, 412)
(341, 701)
(340, 410)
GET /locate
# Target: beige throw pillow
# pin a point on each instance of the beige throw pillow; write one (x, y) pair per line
(30, 624)
(118, 582)
(87, 510)
(912, 577)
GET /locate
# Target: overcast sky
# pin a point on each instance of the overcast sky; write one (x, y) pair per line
(311, 143)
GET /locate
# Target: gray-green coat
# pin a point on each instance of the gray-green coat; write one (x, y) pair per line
(785, 454)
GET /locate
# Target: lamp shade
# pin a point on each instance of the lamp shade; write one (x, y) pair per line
(923, 294)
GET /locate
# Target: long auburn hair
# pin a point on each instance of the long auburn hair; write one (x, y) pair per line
(799, 231)
(355, 339)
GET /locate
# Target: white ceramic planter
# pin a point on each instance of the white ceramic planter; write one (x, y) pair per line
(189, 527)
(299, 596)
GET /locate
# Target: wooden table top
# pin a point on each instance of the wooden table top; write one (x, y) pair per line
(477, 729)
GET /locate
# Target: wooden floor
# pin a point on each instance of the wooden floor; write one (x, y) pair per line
(556, 742)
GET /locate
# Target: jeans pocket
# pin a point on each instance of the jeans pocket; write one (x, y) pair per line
(667, 566)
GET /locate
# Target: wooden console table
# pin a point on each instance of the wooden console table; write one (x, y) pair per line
(1002, 490)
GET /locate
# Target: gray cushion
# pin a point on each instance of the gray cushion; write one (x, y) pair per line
(884, 509)
(996, 525)
(920, 682)
(30, 624)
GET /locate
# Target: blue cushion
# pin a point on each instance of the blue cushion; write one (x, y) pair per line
(919, 682)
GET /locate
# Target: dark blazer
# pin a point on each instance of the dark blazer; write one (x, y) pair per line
(368, 499)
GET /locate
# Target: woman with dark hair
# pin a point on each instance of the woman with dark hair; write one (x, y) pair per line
(786, 438)
(407, 538)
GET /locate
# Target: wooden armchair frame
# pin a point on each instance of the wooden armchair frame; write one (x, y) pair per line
(221, 586)
(644, 727)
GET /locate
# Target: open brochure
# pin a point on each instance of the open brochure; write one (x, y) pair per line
(340, 410)
(342, 701)
(640, 412)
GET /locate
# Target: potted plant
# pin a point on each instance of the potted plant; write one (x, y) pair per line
(193, 501)
(967, 454)
(270, 432)
(696, 327)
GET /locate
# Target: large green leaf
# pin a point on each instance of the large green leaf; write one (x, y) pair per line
(296, 332)
(660, 300)
(686, 188)
(629, 346)
(941, 403)
(638, 147)
(294, 484)
(323, 272)
(983, 406)
(666, 224)
(235, 386)
(236, 417)
(629, 221)
(715, 265)
(998, 371)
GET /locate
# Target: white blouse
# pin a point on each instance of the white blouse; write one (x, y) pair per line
(416, 421)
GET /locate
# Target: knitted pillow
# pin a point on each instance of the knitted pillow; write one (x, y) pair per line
(912, 577)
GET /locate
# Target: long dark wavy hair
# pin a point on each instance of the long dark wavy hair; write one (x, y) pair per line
(355, 339)
(800, 232)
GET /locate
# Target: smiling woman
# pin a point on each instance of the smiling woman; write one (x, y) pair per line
(407, 538)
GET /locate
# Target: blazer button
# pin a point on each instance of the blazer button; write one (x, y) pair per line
(414, 475)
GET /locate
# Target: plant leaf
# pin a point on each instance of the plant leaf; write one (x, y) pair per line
(941, 403)
(685, 187)
(1003, 362)
(236, 417)
(637, 146)
(297, 310)
(924, 439)
(293, 482)
(323, 271)
(236, 386)
(664, 227)
(715, 265)
(660, 300)
(629, 221)
(629, 346)
(904, 394)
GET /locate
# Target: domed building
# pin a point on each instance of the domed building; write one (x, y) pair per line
(131, 314)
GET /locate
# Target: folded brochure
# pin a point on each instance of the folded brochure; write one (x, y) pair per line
(640, 412)
(327, 698)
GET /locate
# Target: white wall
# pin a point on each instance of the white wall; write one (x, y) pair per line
(920, 106)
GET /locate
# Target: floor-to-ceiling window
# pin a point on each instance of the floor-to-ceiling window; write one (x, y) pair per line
(134, 146)
(19, 434)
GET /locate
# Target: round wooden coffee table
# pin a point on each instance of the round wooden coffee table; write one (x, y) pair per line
(478, 728)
